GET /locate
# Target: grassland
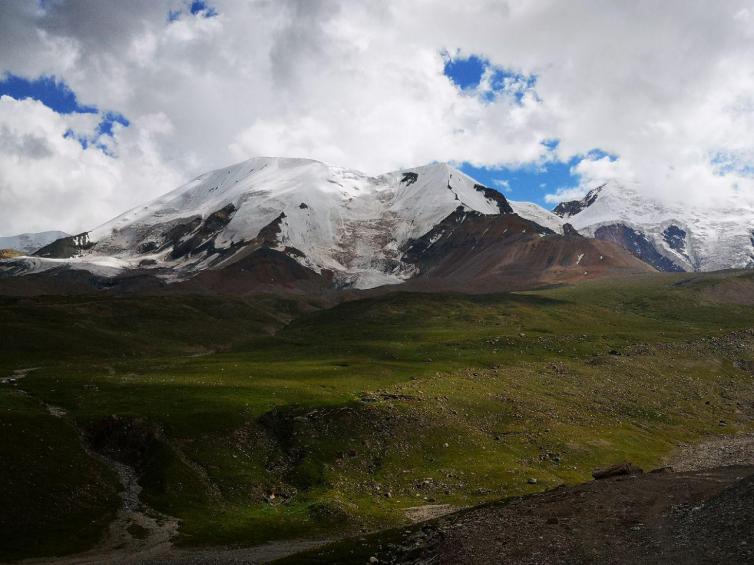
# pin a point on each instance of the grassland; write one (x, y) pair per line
(257, 419)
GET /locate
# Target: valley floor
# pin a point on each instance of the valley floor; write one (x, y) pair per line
(164, 427)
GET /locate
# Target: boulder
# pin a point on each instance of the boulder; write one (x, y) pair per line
(616, 471)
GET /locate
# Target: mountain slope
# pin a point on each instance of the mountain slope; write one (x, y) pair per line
(539, 215)
(469, 251)
(671, 237)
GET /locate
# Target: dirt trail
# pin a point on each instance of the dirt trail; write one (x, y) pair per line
(429, 511)
(17, 375)
(250, 555)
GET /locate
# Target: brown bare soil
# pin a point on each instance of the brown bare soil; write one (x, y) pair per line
(477, 253)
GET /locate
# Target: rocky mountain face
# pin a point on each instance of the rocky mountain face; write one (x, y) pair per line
(573, 207)
(484, 253)
(274, 222)
(670, 237)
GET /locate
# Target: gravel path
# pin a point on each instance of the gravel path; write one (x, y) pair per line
(718, 452)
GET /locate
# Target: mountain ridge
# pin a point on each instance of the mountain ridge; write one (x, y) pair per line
(347, 228)
(351, 230)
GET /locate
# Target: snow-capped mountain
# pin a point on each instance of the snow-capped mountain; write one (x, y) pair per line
(270, 217)
(326, 217)
(671, 237)
(30, 242)
(302, 222)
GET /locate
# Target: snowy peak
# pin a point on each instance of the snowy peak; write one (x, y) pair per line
(356, 230)
(669, 236)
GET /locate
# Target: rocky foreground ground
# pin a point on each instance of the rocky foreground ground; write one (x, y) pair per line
(694, 517)
(699, 515)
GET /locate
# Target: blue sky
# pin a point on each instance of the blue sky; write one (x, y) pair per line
(195, 8)
(58, 96)
(530, 182)
(52, 93)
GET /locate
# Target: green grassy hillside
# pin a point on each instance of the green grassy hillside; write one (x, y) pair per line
(247, 429)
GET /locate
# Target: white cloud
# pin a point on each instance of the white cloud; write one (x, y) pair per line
(48, 181)
(503, 185)
(666, 86)
(565, 194)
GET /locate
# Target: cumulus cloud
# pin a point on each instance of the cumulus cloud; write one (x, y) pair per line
(592, 171)
(48, 180)
(666, 87)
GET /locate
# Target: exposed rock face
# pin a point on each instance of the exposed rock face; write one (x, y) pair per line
(269, 234)
(492, 194)
(573, 207)
(569, 230)
(616, 471)
(462, 233)
(409, 178)
(198, 236)
(66, 247)
(675, 237)
(638, 244)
